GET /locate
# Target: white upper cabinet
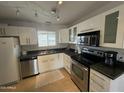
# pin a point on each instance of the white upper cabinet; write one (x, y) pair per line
(12, 31)
(2, 29)
(63, 36)
(28, 36)
(94, 23)
(73, 31)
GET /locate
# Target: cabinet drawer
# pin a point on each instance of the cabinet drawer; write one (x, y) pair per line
(98, 82)
(99, 77)
(95, 86)
(43, 59)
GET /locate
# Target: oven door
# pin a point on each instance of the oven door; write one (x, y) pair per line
(79, 74)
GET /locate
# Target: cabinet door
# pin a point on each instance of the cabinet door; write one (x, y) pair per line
(98, 82)
(111, 23)
(33, 39)
(72, 34)
(67, 63)
(60, 60)
(24, 37)
(12, 31)
(64, 36)
(43, 63)
(48, 62)
(2, 31)
(28, 36)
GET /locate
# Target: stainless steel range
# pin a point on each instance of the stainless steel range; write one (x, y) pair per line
(80, 67)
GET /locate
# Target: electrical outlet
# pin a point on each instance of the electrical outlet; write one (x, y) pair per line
(120, 58)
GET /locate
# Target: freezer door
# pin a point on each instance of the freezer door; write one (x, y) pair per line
(8, 61)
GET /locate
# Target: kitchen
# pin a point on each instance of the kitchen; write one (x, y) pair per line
(47, 47)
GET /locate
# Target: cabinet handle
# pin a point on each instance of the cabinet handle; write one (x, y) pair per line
(26, 41)
(51, 60)
(4, 31)
(45, 61)
(29, 41)
(1, 31)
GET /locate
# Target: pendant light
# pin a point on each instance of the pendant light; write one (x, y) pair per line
(60, 2)
(58, 18)
(17, 12)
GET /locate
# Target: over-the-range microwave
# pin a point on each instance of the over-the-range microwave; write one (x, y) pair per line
(89, 38)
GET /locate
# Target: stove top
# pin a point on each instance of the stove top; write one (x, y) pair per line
(89, 57)
(82, 60)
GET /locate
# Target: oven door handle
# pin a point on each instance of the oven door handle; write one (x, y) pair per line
(77, 64)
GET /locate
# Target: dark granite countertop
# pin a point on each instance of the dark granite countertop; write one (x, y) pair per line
(111, 72)
(30, 54)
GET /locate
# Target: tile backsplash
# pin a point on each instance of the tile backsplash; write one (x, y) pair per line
(120, 51)
(35, 47)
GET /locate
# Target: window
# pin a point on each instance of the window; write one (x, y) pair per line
(46, 38)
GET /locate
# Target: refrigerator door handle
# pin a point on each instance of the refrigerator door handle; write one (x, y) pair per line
(4, 31)
(29, 41)
(26, 41)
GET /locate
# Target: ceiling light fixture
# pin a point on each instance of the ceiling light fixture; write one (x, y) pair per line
(53, 11)
(60, 2)
(17, 12)
(58, 18)
(36, 14)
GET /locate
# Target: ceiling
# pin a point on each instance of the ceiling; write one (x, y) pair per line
(69, 11)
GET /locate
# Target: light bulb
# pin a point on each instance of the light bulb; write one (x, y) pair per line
(17, 12)
(36, 14)
(58, 18)
(60, 2)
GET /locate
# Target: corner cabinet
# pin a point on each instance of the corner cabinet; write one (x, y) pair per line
(73, 34)
(67, 63)
(28, 36)
(101, 83)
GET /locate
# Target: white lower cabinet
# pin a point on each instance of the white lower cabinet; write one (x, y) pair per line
(101, 83)
(49, 62)
(67, 62)
(54, 61)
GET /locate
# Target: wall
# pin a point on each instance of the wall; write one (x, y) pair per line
(35, 47)
(98, 22)
(41, 26)
(120, 56)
